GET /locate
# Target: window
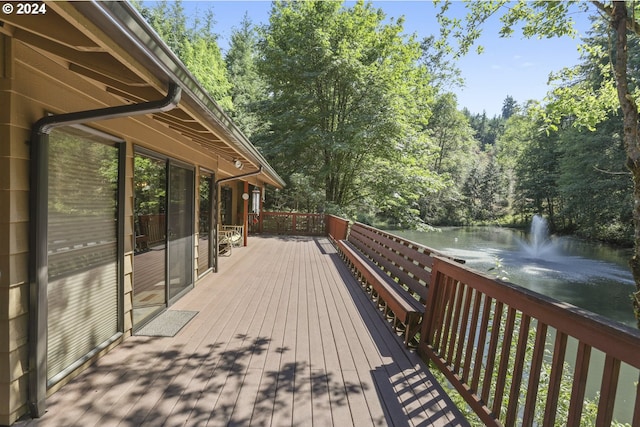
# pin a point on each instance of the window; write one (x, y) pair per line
(82, 245)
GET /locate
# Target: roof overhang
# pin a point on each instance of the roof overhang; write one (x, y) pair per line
(110, 44)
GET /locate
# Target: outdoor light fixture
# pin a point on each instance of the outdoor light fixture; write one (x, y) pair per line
(237, 163)
(255, 200)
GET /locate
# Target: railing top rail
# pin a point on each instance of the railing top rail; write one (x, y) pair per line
(337, 218)
(410, 244)
(618, 340)
(268, 213)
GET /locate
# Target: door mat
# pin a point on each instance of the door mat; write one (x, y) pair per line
(167, 324)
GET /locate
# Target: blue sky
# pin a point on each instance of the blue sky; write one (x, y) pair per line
(515, 66)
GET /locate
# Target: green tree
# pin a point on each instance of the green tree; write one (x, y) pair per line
(169, 21)
(549, 19)
(442, 69)
(302, 195)
(194, 43)
(471, 191)
(537, 174)
(487, 130)
(596, 189)
(248, 88)
(345, 89)
(519, 130)
(453, 137)
(492, 191)
(456, 151)
(398, 189)
(509, 107)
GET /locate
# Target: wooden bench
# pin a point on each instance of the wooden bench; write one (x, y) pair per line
(394, 271)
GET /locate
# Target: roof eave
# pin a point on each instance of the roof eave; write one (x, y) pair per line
(124, 23)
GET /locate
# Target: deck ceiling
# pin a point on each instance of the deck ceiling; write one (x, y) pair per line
(91, 57)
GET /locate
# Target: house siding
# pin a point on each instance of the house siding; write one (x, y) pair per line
(14, 243)
(32, 86)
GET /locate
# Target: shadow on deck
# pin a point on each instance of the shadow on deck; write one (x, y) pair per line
(283, 336)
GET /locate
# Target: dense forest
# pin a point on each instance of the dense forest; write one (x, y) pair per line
(357, 117)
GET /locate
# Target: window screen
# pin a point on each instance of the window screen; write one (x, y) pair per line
(82, 248)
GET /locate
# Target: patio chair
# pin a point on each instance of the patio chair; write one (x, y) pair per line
(225, 243)
(237, 233)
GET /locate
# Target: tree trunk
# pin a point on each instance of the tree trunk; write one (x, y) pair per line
(630, 135)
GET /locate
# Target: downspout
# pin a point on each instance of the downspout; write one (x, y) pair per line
(38, 267)
(45, 125)
(245, 217)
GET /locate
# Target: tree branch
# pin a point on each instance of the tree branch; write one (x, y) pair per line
(631, 23)
(611, 172)
(603, 7)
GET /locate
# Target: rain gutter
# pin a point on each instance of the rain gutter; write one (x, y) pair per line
(39, 274)
(132, 30)
(244, 175)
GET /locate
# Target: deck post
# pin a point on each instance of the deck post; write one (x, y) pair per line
(246, 213)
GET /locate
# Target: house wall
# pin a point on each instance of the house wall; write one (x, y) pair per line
(14, 235)
(31, 86)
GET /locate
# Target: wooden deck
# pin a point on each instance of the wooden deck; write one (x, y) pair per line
(284, 337)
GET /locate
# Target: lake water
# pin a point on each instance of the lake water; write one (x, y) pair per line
(588, 275)
(592, 276)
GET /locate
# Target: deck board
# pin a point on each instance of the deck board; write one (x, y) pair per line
(284, 336)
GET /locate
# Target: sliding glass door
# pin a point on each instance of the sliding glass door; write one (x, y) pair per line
(180, 229)
(163, 218)
(206, 214)
(149, 262)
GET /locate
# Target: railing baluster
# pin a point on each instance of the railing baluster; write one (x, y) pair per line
(482, 339)
(518, 369)
(440, 312)
(555, 380)
(296, 223)
(608, 391)
(464, 327)
(503, 369)
(636, 411)
(496, 325)
(528, 417)
(430, 321)
(473, 326)
(453, 336)
(581, 372)
(452, 287)
(436, 313)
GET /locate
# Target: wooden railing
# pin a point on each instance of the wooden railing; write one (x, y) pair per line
(515, 356)
(521, 358)
(289, 223)
(337, 227)
(150, 230)
(508, 350)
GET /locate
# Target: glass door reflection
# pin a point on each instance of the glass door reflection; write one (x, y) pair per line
(180, 229)
(149, 287)
(206, 213)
